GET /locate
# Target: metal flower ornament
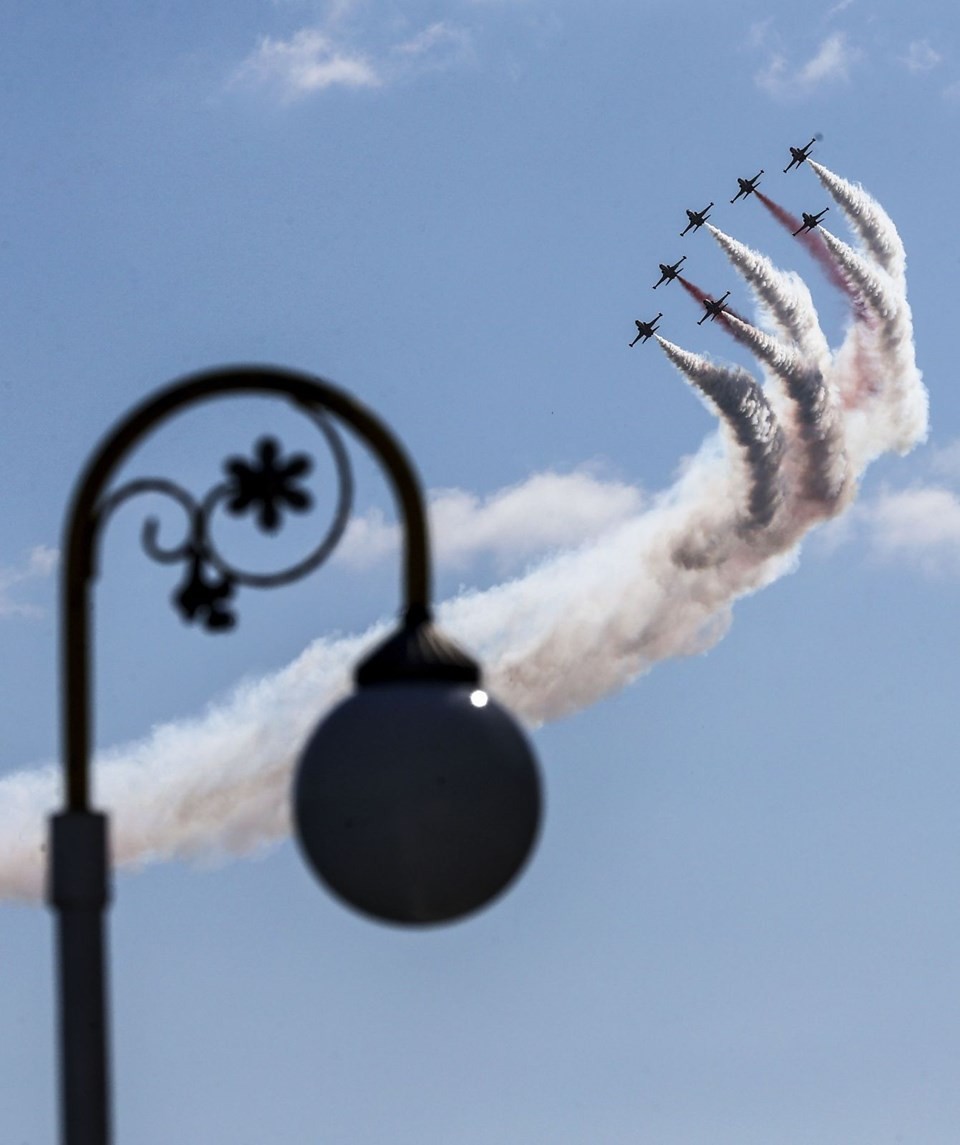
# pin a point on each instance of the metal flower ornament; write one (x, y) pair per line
(268, 485)
(203, 598)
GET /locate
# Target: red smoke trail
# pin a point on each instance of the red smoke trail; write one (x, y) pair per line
(698, 294)
(815, 245)
(791, 222)
(701, 296)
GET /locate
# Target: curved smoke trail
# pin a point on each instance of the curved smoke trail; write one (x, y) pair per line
(820, 464)
(580, 626)
(744, 408)
(876, 293)
(876, 366)
(815, 464)
(783, 294)
(783, 358)
(868, 219)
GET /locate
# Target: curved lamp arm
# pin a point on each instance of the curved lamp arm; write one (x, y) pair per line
(86, 515)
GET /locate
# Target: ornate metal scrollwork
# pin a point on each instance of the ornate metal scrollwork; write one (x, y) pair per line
(266, 487)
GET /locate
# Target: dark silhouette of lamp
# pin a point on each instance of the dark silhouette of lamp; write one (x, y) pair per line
(417, 799)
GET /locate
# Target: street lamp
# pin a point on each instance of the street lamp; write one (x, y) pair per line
(417, 799)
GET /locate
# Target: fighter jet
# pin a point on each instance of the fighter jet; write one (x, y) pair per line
(668, 271)
(713, 308)
(645, 330)
(697, 219)
(747, 186)
(811, 221)
(799, 154)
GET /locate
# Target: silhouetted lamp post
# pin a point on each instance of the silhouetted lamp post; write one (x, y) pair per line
(416, 800)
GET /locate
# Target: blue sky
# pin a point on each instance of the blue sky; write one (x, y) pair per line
(739, 926)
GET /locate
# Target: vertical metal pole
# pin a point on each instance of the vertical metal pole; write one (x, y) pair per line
(79, 892)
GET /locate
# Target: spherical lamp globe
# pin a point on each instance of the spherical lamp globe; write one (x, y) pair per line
(417, 800)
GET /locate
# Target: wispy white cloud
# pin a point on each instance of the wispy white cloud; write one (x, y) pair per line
(438, 37)
(39, 564)
(308, 62)
(920, 525)
(831, 63)
(945, 461)
(328, 55)
(340, 10)
(758, 34)
(842, 6)
(920, 57)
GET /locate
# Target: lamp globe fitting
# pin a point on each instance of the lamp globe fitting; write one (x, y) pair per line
(417, 800)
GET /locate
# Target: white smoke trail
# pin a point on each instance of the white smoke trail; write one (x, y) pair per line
(877, 292)
(868, 219)
(546, 512)
(783, 294)
(814, 465)
(746, 411)
(580, 626)
(783, 358)
(876, 367)
(819, 464)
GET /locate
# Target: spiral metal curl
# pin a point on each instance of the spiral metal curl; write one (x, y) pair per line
(267, 487)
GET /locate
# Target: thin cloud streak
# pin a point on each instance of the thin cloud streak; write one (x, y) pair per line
(830, 64)
(919, 526)
(306, 63)
(39, 564)
(945, 460)
(921, 57)
(838, 8)
(318, 58)
(439, 37)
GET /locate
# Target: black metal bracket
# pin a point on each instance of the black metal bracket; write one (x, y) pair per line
(267, 487)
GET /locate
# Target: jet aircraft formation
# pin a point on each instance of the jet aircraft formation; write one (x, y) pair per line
(714, 308)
